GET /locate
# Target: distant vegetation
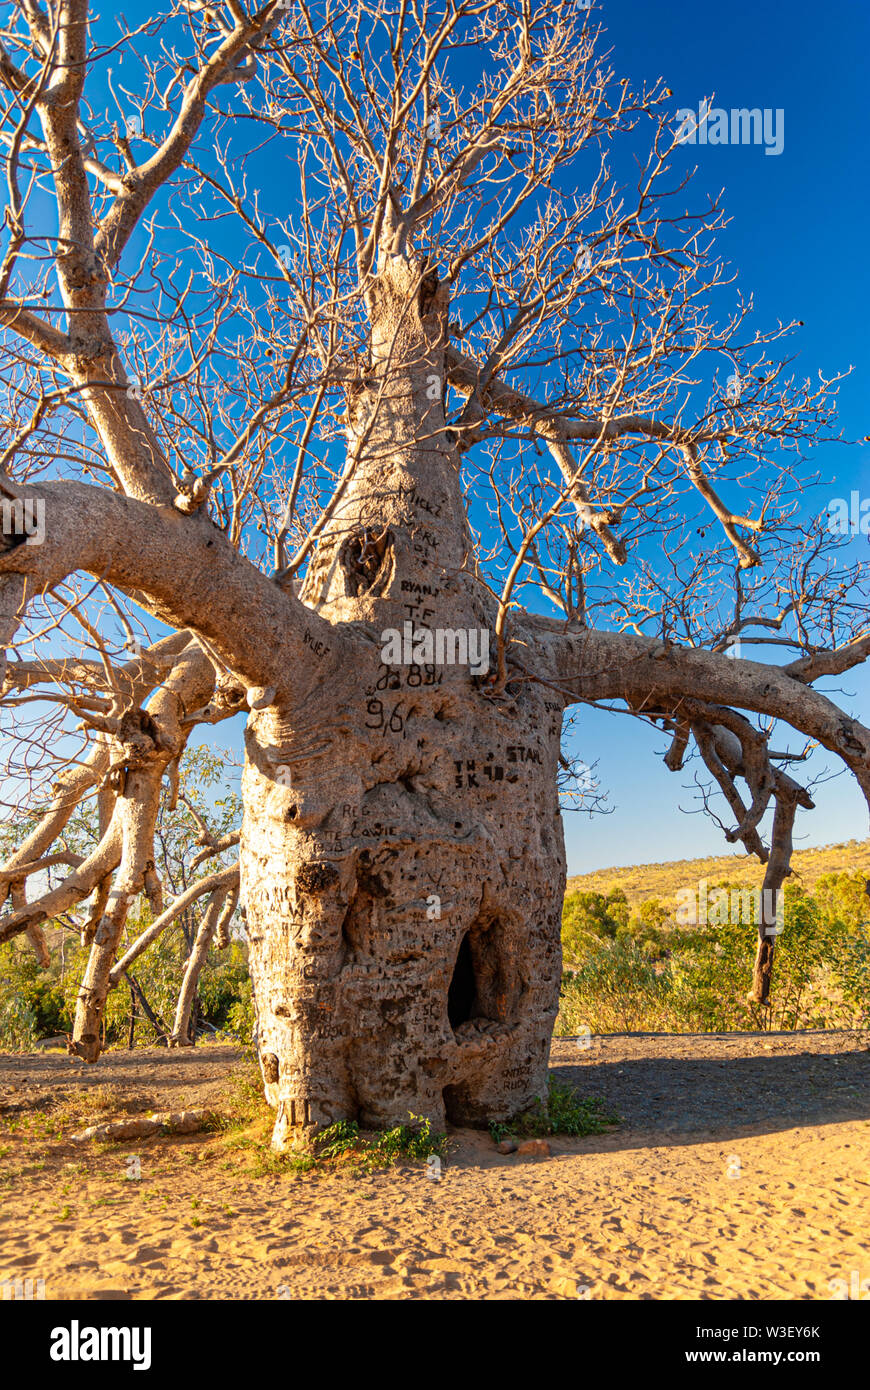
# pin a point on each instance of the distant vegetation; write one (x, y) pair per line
(36, 1004)
(633, 964)
(630, 965)
(662, 881)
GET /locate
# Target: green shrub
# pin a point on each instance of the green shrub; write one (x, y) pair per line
(563, 1112)
(648, 978)
(18, 1031)
(590, 916)
(416, 1141)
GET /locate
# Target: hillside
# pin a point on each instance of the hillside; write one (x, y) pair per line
(642, 881)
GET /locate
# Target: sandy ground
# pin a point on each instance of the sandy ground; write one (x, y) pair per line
(739, 1171)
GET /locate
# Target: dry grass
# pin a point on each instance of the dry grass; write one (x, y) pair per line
(642, 881)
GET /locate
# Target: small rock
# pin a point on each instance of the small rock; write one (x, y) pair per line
(118, 1129)
(538, 1148)
(166, 1121)
(507, 1146)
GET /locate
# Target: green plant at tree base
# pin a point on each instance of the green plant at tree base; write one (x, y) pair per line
(415, 1141)
(563, 1112)
(338, 1139)
(340, 1147)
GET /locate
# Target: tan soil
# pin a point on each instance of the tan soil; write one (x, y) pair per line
(645, 1211)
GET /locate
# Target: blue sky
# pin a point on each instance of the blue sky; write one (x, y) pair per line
(797, 240)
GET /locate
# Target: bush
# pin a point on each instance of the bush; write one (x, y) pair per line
(240, 1015)
(563, 1112)
(32, 1004)
(415, 1141)
(614, 989)
(18, 1031)
(590, 916)
(695, 979)
(225, 992)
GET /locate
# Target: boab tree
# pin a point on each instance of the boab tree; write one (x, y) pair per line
(336, 350)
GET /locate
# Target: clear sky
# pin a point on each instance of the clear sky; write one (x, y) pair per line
(798, 239)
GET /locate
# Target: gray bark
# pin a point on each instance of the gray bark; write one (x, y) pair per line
(403, 892)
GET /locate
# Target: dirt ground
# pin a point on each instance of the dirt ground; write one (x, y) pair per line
(739, 1171)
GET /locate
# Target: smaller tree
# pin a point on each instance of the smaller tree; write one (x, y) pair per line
(195, 843)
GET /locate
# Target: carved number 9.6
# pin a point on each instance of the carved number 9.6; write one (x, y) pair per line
(378, 719)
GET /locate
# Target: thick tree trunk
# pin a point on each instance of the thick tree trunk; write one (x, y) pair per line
(405, 934)
(402, 862)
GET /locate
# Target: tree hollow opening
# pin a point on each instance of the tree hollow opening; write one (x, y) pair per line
(462, 994)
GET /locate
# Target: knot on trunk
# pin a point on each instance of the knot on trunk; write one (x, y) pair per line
(269, 1063)
(139, 737)
(316, 878)
(433, 299)
(366, 561)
